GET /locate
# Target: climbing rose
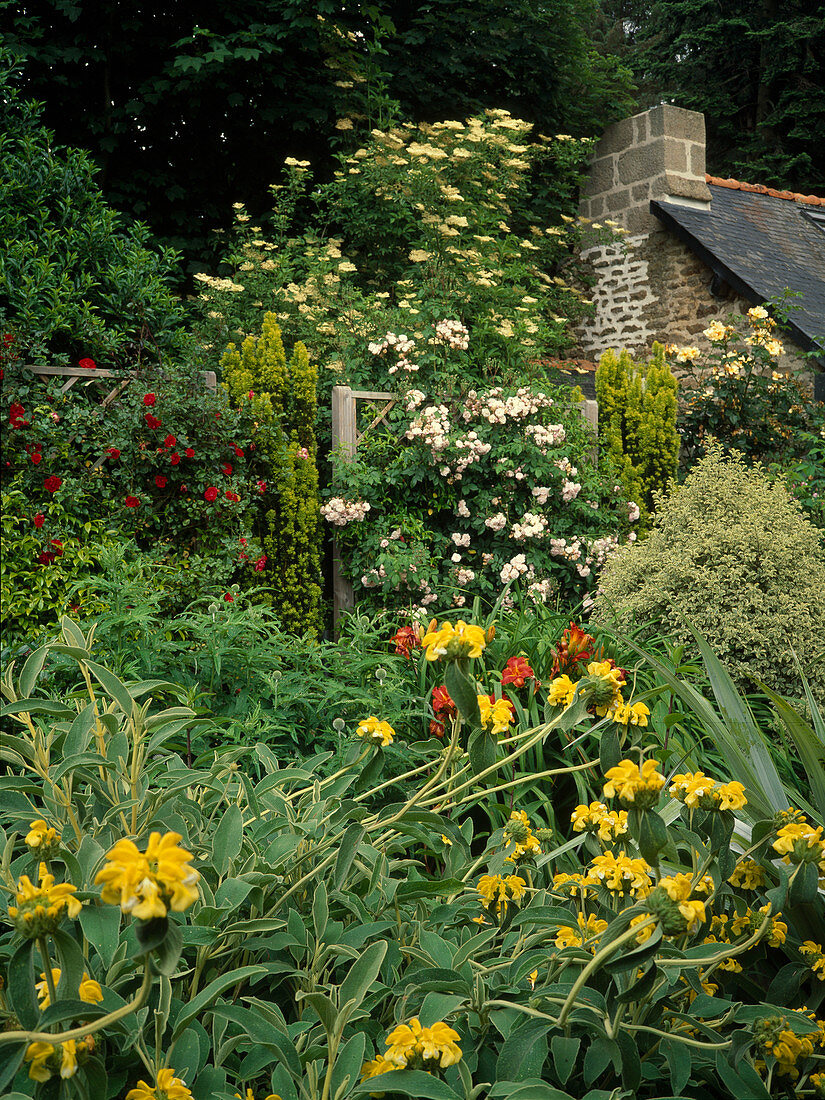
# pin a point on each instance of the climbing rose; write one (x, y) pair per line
(87, 364)
(210, 494)
(36, 457)
(170, 441)
(39, 519)
(227, 469)
(174, 459)
(151, 421)
(113, 452)
(52, 483)
(232, 496)
(189, 452)
(149, 400)
(260, 563)
(132, 502)
(228, 598)
(160, 481)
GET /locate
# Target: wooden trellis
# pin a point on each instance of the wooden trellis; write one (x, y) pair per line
(345, 437)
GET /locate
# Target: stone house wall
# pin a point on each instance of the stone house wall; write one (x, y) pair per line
(649, 285)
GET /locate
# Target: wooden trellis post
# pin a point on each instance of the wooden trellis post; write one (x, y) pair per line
(345, 436)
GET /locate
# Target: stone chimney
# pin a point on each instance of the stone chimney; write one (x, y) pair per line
(657, 154)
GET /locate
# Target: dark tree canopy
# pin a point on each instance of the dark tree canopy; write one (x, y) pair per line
(189, 107)
(755, 68)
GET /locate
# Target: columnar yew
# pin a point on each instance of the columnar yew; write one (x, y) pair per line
(283, 397)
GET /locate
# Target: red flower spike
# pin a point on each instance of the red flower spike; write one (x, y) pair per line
(210, 494)
(52, 483)
(149, 400)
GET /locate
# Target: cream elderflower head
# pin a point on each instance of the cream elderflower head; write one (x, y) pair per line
(374, 730)
(634, 786)
(40, 908)
(148, 884)
(453, 642)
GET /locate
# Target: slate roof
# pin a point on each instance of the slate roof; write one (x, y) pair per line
(759, 241)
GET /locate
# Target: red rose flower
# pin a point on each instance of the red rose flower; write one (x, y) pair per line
(149, 400)
(516, 671)
(260, 486)
(210, 494)
(113, 452)
(227, 469)
(242, 542)
(45, 558)
(52, 483)
(39, 519)
(260, 564)
(151, 421)
(170, 441)
(233, 497)
(132, 502)
(87, 364)
(189, 452)
(229, 598)
(238, 450)
(36, 457)
(16, 415)
(58, 548)
(174, 458)
(160, 481)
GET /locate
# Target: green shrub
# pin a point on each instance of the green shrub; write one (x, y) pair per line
(75, 280)
(637, 424)
(282, 397)
(733, 555)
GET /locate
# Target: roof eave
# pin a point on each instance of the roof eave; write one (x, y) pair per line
(734, 281)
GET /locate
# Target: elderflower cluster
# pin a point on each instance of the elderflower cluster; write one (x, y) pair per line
(340, 512)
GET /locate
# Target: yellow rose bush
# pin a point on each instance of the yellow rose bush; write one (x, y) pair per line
(566, 906)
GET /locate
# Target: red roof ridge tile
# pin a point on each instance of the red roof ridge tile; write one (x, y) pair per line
(760, 189)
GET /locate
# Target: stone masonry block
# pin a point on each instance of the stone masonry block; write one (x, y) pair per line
(640, 128)
(642, 162)
(697, 160)
(676, 156)
(615, 138)
(601, 176)
(687, 186)
(669, 121)
(640, 191)
(618, 200)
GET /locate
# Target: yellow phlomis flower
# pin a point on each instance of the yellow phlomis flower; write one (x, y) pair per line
(89, 992)
(372, 729)
(148, 884)
(167, 1086)
(461, 640)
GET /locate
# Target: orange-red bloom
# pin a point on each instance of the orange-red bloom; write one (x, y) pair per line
(406, 639)
(516, 671)
(575, 648)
